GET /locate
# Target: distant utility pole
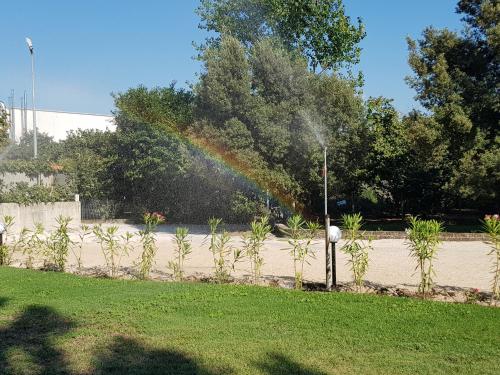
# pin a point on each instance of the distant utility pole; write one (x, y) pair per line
(35, 136)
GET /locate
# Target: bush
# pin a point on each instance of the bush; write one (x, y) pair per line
(77, 252)
(26, 194)
(222, 251)
(302, 234)
(113, 246)
(59, 243)
(148, 240)
(31, 243)
(423, 242)
(356, 247)
(5, 250)
(254, 243)
(491, 225)
(182, 250)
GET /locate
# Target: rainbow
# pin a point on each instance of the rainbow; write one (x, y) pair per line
(240, 168)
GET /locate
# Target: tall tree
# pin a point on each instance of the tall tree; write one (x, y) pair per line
(272, 114)
(456, 79)
(318, 29)
(4, 128)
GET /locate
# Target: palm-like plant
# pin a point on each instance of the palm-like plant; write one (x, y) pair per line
(491, 225)
(253, 244)
(5, 250)
(221, 251)
(356, 247)
(423, 242)
(182, 250)
(302, 235)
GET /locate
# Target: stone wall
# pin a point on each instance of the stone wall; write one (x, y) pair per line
(446, 236)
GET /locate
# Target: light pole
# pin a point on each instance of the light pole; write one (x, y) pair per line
(328, 252)
(35, 135)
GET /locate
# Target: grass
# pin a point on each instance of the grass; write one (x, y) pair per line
(52, 323)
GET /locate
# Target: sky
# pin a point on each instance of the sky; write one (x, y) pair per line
(86, 50)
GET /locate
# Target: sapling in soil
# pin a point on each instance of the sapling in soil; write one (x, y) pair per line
(356, 246)
(31, 243)
(5, 249)
(182, 250)
(148, 241)
(111, 247)
(59, 243)
(253, 244)
(491, 225)
(302, 235)
(222, 251)
(85, 232)
(423, 242)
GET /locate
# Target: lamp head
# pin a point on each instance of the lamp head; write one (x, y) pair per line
(29, 42)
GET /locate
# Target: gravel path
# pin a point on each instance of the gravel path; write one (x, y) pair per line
(458, 264)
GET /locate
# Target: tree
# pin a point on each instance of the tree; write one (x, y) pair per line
(318, 29)
(456, 79)
(4, 128)
(84, 158)
(23, 150)
(265, 111)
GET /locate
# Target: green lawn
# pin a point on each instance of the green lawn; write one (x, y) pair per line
(63, 324)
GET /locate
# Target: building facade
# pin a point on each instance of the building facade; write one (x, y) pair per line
(54, 123)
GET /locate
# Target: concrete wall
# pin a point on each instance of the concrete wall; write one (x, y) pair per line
(44, 213)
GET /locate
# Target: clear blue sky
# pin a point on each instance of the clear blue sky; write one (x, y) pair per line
(87, 49)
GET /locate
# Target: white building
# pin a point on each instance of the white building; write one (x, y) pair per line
(56, 124)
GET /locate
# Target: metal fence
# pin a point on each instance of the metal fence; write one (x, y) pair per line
(99, 209)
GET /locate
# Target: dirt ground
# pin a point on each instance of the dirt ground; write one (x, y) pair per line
(459, 265)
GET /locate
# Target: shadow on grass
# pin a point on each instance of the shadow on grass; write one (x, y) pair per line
(27, 345)
(128, 356)
(277, 364)
(3, 301)
(29, 339)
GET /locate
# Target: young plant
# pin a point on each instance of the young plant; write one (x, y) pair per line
(5, 249)
(221, 252)
(148, 241)
(85, 232)
(110, 246)
(423, 242)
(491, 225)
(59, 243)
(356, 247)
(31, 243)
(253, 243)
(302, 235)
(182, 250)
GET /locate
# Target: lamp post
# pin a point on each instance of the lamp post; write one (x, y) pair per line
(35, 135)
(329, 256)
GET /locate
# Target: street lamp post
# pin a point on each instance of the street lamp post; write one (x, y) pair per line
(35, 135)
(329, 256)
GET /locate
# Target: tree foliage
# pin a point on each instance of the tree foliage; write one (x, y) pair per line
(4, 129)
(456, 79)
(320, 30)
(267, 109)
